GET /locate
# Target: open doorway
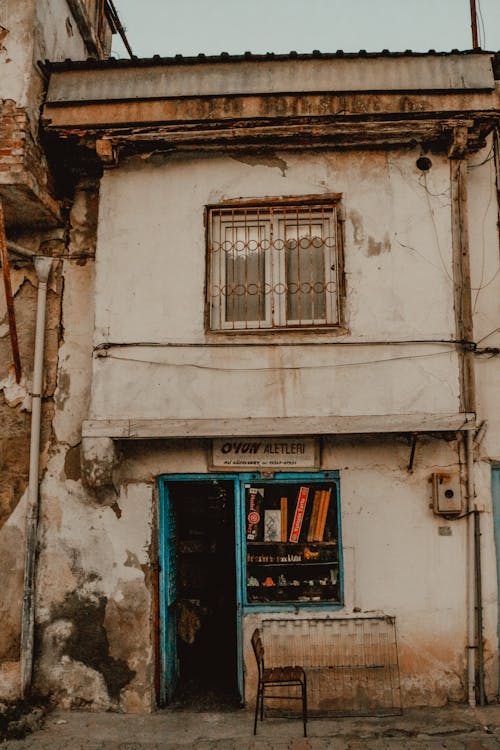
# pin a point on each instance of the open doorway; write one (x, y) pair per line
(201, 557)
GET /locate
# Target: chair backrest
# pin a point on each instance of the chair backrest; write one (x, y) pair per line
(258, 649)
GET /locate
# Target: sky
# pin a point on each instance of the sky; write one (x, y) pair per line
(188, 27)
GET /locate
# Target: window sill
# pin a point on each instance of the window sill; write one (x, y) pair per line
(266, 336)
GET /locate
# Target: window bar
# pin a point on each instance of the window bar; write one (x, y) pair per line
(299, 279)
(261, 281)
(229, 279)
(312, 259)
(267, 259)
(325, 255)
(220, 300)
(338, 233)
(246, 261)
(272, 261)
(235, 271)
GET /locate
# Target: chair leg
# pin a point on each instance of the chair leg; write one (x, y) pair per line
(256, 709)
(304, 706)
(262, 702)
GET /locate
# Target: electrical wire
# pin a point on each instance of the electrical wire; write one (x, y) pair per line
(106, 345)
(484, 286)
(481, 20)
(279, 369)
(483, 243)
(495, 330)
(424, 186)
(488, 158)
(414, 249)
(438, 245)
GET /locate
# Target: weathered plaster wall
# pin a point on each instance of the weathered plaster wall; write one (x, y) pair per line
(485, 273)
(30, 33)
(94, 574)
(396, 562)
(96, 552)
(485, 264)
(16, 49)
(93, 628)
(95, 641)
(58, 37)
(33, 31)
(15, 402)
(93, 579)
(15, 419)
(151, 279)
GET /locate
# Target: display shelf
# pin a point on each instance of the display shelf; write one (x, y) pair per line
(292, 550)
(293, 544)
(301, 563)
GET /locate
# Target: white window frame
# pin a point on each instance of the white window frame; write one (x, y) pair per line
(274, 217)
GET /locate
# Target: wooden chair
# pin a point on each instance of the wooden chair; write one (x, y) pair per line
(277, 677)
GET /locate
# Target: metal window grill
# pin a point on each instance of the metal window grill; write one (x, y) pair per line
(351, 664)
(273, 267)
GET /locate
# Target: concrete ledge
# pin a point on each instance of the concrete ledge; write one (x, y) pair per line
(308, 425)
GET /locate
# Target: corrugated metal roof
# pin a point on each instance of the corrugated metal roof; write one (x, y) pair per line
(225, 57)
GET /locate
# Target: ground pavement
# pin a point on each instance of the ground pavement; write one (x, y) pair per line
(451, 728)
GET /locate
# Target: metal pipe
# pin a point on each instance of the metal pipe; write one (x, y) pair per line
(473, 16)
(42, 268)
(479, 605)
(471, 588)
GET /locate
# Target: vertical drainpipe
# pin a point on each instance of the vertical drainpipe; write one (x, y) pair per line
(42, 268)
(471, 578)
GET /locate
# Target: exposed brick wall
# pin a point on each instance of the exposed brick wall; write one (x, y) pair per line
(13, 122)
(18, 149)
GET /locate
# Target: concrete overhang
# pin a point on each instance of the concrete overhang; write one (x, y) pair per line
(303, 101)
(26, 203)
(141, 429)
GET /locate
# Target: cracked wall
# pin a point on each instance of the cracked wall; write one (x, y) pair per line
(15, 400)
(83, 653)
(93, 585)
(94, 630)
(397, 274)
(397, 562)
(15, 418)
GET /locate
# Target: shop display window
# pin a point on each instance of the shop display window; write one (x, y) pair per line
(292, 542)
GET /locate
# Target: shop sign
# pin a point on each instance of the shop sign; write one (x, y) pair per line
(265, 453)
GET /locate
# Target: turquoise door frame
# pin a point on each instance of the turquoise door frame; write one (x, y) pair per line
(168, 597)
(495, 492)
(166, 560)
(167, 650)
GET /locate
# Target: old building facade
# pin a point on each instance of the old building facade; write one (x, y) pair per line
(38, 228)
(275, 390)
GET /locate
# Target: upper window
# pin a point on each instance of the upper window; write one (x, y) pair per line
(275, 265)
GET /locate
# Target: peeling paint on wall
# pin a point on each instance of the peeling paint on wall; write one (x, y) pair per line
(265, 159)
(87, 640)
(376, 248)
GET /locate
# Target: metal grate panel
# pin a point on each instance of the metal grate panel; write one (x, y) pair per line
(273, 267)
(351, 663)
